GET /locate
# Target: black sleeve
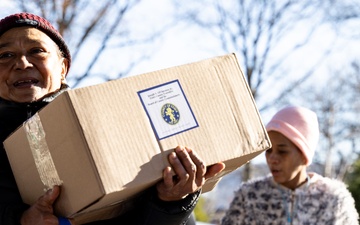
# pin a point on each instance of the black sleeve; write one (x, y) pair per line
(150, 210)
(11, 214)
(11, 205)
(170, 213)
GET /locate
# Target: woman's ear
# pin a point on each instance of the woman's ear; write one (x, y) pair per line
(64, 69)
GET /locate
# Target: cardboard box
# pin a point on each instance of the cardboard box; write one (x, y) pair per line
(106, 143)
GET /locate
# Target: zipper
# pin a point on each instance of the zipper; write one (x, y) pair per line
(292, 208)
(289, 207)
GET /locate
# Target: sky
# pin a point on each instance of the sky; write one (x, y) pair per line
(177, 46)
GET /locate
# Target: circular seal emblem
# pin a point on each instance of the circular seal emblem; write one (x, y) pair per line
(170, 113)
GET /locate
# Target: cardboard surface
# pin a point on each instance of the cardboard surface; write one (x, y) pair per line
(109, 142)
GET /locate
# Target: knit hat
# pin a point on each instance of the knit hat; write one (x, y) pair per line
(27, 19)
(300, 125)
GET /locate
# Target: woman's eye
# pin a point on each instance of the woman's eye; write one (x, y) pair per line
(5, 55)
(36, 50)
(282, 152)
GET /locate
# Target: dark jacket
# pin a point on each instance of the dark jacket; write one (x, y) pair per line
(149, 209)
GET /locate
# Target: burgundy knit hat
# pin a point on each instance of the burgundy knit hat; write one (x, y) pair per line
(28, 19)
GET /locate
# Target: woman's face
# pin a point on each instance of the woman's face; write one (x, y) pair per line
(285, 161)
(31, 65)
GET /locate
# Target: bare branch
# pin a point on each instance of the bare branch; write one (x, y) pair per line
(120, 14)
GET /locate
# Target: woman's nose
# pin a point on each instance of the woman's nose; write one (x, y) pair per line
(272, 158)
(22, 62)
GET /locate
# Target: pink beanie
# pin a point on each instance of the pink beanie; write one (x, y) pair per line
(300, 126)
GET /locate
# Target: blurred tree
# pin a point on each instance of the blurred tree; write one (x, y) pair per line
(340, 120)
(337, 105)
(96, 31)
(353, 181)
(254, 29)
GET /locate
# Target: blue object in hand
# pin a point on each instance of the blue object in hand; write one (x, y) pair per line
(63, 221)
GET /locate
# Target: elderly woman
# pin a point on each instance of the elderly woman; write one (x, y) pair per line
(34, 62)
(291, 195)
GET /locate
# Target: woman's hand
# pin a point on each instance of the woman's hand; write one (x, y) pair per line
(42, 213)
(190, 174)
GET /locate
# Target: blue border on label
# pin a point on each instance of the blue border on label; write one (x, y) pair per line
(147, 113)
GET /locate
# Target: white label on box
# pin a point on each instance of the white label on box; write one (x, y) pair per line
(168, 109)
